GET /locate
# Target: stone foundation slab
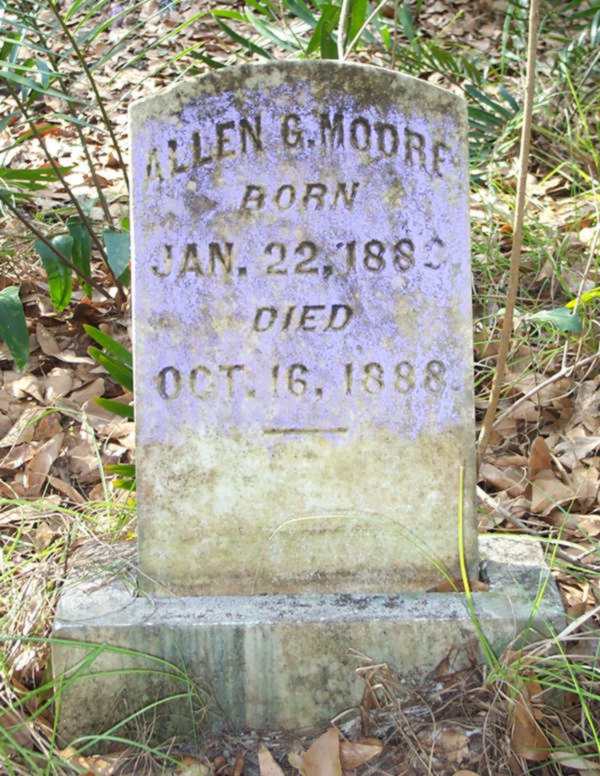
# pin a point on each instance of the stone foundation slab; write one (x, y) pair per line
(271, 662)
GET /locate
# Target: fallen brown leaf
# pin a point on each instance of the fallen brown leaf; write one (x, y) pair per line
(58, 383)
(238, 765)
(46, 341)
(447, 742)
(37, 469)
(539, 457)
(16, 457)
(96, 765)
(511, 479)
(266, 763)
(27, 385)
(527, 738)
(63, 487)
(84, 462)
(23, 429)
(548, 492)
(43, 536)
(575, 448)
(322, 758)
(192, 766)
(69, 357)
(17, 726)
(90, 391)
(48, 427)
(584, 481)
(353, 754)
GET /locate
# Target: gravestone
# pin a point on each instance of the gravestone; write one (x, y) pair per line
(303, 332)
(304, 410)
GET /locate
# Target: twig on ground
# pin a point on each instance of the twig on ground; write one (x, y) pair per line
(517, 241)
(563, 372)
(491, 502)
(548, 644)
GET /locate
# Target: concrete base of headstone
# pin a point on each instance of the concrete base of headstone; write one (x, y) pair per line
(272, 662)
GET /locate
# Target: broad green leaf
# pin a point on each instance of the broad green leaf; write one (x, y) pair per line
(60, 280)
(124, 484)
(34, 66)
(34, 178)
(386, 38)
(264, 29)
(117, 250)
(82, 250)
(245, 42)
(561, 318)
(302, 11)
(110, 345)
(72, 9)
(587, 296)
(119, 372)
(126, 471)
(123, 410)
(33, 86)
(358, 16)
(483, 99)
(322, 38)
(206, 59)
(485, 117)
(226, 14)
(160, 41)
(13, 327)
(256, 5)
(509, 99)
(406, 21)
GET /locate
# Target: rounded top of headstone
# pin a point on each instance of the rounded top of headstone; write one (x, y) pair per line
(364, 83)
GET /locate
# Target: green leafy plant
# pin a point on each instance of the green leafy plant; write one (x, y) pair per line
(118, 362)
(68, 254)
(54, 89)
(13, 327)
(585, 298)
(561, 318)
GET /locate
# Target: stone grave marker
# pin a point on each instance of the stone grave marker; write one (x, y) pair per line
(303, 333)
(304, 406)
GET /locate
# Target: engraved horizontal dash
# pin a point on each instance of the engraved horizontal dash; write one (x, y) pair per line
(335, 430)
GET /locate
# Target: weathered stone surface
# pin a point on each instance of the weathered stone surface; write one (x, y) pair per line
(302, 322)
(274, 661)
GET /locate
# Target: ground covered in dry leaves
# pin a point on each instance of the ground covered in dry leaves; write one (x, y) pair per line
(535, 710)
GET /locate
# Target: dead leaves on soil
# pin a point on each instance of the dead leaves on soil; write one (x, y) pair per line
(328, 755)
(53, 435)
(94, 765)
(547, 473)
(529, 741)
(527, 738)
